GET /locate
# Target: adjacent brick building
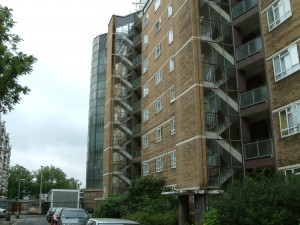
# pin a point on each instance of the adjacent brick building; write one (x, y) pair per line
(192, 95)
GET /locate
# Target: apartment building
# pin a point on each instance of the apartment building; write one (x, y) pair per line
(195, 93)
(5, 150)
(280, 25)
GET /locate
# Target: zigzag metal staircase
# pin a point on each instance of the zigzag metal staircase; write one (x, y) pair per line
(123, 113)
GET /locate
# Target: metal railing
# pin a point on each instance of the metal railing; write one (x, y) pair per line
(136, 128)
(137, 81)
(248, 49)
(137, 38)
(136, 104)
(258, 149)
(254, 96)
(137, 59)
(242, 7)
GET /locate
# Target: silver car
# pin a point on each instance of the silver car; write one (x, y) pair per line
(2, 213)
(110, 221)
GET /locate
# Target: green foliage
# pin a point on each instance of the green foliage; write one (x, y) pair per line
(211, 217)
(52, 178)
(143, 201)
(262, 200)
(13, 63)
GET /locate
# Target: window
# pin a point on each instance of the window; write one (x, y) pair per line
(295, 171)
(145, 90)
(171, 64)
(172, 94)
(146, 21)
(278, 13)
(159, 164)
(146, 66)
(146, 41)
(173, 126)
(157, 26)
(286, 63)
(157, 51)
(173, 159)
(146, 115)
(157, 4)
(158, 134)
(145, 168)
(145, 141)
(158, 104)
(290, 120)
(158, 77)
(170, 36)
(170, 10)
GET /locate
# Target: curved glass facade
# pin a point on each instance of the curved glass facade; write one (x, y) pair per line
(94, 167)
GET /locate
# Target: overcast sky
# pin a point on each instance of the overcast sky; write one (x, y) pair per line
(49, 126)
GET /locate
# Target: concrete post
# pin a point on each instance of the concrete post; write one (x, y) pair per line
(199, 207)
(183, 202)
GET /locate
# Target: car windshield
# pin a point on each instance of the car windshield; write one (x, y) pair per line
(74, 214)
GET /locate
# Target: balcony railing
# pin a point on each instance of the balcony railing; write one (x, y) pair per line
(137, 59)
(258, 149)
(136, 104)
(137, 38)
(136, 128)
(243, 7)
(137, 81)
(248, 49)
(254, 97)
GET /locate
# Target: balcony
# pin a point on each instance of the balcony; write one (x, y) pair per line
(136, 128)
(136, 104)
(248, 49)
(137, 38)
(258, 149)
(253, 97)
(136, 82)
(243, 7)
(137, 59)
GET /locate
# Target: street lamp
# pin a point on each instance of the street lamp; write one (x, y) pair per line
(41, 184)
(18, 206)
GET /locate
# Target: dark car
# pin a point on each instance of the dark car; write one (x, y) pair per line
(49, 214)
(55, 214)
(71, 216)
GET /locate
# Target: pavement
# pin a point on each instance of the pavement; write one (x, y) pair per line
(13, 220)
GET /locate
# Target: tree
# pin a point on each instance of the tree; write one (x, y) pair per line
(13, 63)
(16, 173)
(258, 200)
(143, 201)
(52, 178)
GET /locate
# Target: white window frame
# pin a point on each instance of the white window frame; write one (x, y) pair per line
(295, 171)
(146, 20)
(145, 168)
(157, 4)
(173, 159)
(159, 164)
(172, 94)
(173, 126)
(170, 10)
(159, 134)
(158, 104)
(146, 41)
(157, 26)
(158, 77)
(145, 66)
(171, 36)
(146, 114)
(286, 62)
(145, 141)
(289, 119)
(146, 90)
(171, 64)
(278, 13)
(157, 51)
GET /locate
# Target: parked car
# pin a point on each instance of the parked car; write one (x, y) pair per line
(72, 216)
(49, 214)
(2, 213)
(55, 214)
(111, 221)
